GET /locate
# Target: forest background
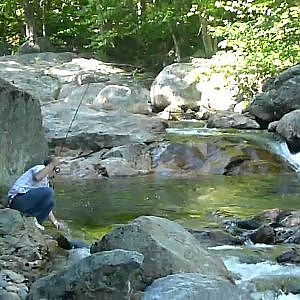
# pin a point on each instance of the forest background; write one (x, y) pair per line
(154, 33)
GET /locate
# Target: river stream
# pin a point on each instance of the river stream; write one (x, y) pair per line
(91, 208)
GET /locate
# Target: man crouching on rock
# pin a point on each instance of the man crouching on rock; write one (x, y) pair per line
(32, 196)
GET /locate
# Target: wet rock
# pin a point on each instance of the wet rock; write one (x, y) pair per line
(295, 237)
(248, 224)
(289, 128)
(231, 120)
(213, 156)
(68, 244)
(272, 126)
(293, 219)
(212, 238)
(167, 248)
(192, 286)
(272, 216)
(291, 256)
(126, 160)
(264, 235)
(281, 95)
(106, 275)
(283, 234)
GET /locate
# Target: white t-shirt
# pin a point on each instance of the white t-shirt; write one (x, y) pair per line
(27, 182)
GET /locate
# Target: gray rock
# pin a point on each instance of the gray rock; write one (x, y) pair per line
(23, 249)
(4, 295)
(289, 128)
(196, 85)
(42, 44)
(12, 276)
(22, 140)
(291, 256)
(231, 120)
(134, 99)
(170, 87)
(213, 155)
(167, 248)
(106, 275)
(281, 95)
(193, 286)
(212, 238)
(264, 234)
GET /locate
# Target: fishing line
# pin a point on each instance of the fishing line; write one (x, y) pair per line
(73, 119)
(57, 169)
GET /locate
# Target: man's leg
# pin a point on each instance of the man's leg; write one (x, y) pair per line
(36, 203)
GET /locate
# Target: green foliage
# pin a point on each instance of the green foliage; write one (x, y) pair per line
(266, 32)
(157, 32)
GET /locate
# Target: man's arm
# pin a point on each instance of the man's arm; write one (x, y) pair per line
(47, 171)
(53, 220)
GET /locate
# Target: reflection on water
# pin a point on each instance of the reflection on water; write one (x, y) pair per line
(91, 208)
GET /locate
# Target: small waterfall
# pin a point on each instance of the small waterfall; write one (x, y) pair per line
(282, 150)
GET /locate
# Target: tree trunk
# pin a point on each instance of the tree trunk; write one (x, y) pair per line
(30, 32)
(210, 44)
(176, 44)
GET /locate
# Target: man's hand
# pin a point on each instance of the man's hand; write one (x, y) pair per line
(58, 225)
(55, 162)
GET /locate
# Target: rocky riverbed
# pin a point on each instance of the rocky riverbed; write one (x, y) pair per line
(120, 128)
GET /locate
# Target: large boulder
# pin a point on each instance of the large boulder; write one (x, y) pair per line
(22, 140)
(96, 129)
(201, 83)
(175, 86)
(280, 95)
(193, 286)
(289, 128)
(107, 275)
(167, 248)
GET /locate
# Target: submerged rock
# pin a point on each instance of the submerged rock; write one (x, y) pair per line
(214, 155)
(106, 275)
(167, 248)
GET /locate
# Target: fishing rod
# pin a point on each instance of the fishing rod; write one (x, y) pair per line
(57, 169)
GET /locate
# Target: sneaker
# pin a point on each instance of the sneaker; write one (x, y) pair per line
(38, 225)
